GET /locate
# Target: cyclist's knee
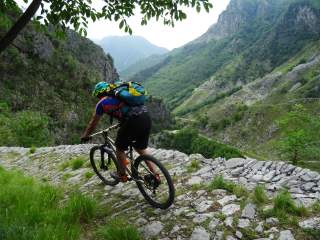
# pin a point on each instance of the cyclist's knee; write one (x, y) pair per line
(142, 151)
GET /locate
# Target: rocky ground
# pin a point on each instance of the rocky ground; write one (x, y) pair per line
(200, 211)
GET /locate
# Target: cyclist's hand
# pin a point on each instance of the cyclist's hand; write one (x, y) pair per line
(84, 139)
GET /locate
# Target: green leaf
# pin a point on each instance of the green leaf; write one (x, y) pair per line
(121, 24)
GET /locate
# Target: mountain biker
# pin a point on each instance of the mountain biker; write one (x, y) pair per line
(135, 126)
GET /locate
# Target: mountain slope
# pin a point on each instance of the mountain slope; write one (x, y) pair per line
(127, 50)
(264, 35)
(48, 79)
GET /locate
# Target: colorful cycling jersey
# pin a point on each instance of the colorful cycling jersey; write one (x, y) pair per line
(112, 106)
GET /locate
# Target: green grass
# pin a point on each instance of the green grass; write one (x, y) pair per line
(74, 163)
(88, 175)
(285, 209)
(64, 165)
(118, 229)
(220, 183)
(193, 166)
(66, 176)
(77, 163)
(259, 195)
(33, 149)
(32, 210)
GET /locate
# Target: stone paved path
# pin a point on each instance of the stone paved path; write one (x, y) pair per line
(197, 213)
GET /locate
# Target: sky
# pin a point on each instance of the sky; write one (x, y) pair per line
(164, 36)
(184, 31)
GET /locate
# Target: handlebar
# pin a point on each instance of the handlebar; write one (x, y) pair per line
(105, 130)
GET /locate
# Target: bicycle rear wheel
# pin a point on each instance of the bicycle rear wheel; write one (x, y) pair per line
(159, 194)
(103, 163)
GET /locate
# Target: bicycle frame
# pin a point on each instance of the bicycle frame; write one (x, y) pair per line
(109, 142)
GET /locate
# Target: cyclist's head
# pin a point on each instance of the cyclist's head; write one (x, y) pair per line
(101, 89)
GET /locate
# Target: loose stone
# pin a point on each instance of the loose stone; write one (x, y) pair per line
(286, 235)
(230, 209)
(249, 211)
(199, 233)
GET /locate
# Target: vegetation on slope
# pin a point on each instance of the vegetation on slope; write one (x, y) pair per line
(31, 210)
(189, 141)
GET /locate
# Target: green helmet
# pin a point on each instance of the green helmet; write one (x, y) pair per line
(101, 87)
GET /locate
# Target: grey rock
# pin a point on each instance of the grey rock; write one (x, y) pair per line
(230, 209)
(235, 162)
(311, 223)
(237, 171)
(230, 238)
(199, 218)
(218, 236)
(239, 234)
(272, 221)
(249, 211)
(308, 186)
(194, 180)
(259, 228)
(268, 177)
(214, 223)
(175, 229)
(257, 177)
(227, 199)
(153, 229)
(199, 233)
(220, 192)
(243, 223)
(228, 221)
(204, 206)
(286, 235)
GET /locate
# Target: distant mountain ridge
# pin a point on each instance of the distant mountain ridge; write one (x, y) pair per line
(127, 50)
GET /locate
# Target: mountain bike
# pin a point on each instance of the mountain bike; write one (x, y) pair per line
(157, 188)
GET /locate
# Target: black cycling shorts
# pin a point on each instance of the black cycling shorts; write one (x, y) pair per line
(134, 131)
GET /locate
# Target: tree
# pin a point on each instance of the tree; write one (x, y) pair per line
(77, 13)
(299, 135)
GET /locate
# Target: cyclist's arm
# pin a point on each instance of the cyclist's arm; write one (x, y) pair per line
(93, 122)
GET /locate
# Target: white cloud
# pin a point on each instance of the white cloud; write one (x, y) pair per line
(165, 36)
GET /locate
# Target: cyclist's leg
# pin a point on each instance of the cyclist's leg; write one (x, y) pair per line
(150, 165)
(122, 159)
(122, 142)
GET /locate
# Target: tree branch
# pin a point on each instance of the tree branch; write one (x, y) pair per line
(19, 25)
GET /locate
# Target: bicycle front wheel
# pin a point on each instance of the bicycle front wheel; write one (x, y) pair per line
(157, 188)
(103, 163)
